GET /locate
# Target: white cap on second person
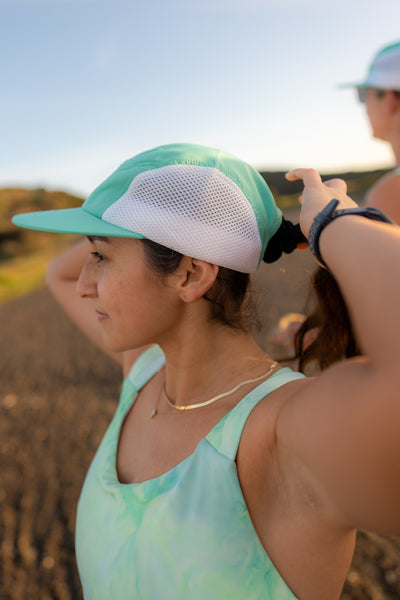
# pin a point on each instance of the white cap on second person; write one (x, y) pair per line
(384, 71)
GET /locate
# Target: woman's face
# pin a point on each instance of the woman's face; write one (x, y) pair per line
(377, 114)
(134, 305)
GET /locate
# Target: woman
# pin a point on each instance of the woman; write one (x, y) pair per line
(380, 91)
(222, 475)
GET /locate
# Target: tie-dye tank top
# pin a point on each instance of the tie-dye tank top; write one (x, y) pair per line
(186, 535)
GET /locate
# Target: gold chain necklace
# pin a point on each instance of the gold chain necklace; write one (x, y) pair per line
(183, 407)
(154, 412)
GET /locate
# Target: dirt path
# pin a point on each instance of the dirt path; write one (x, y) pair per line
(57, 395)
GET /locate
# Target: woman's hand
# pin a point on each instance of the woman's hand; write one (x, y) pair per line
(317, 194)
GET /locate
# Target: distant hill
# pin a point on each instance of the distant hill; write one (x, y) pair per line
(15, 241)
(357, 181)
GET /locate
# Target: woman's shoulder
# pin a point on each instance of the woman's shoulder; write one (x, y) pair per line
(265, 458)
(385, 194)
(259, 437)
(273, 433)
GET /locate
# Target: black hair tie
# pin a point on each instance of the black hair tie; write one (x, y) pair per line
(285, 240)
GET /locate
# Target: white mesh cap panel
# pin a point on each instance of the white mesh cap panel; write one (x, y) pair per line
(195, 210)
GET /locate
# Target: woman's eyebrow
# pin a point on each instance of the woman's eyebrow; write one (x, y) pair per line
(97, 238)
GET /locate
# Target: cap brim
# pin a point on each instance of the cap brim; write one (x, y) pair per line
(359, 84)
(71, 220)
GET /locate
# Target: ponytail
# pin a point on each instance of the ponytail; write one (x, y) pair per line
(333, 336)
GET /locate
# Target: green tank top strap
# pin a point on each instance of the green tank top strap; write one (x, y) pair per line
(225, 436)
(145, 367)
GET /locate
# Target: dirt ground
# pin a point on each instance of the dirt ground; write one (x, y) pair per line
(57, 395)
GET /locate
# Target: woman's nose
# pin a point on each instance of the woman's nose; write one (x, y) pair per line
(86, 285)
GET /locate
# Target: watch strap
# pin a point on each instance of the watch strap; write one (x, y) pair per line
(329, 214)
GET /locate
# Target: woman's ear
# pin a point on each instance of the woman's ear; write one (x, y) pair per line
(196, 277)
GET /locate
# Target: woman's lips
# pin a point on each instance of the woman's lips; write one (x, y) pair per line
(101, 316)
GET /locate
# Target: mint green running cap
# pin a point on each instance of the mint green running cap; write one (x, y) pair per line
(199, 201)
(384, 70)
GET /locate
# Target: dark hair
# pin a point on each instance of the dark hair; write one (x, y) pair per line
(232, 305)
(229, 297)
(329, 319)
(333, 338)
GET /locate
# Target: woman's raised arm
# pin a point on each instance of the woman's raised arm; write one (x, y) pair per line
(342, 429)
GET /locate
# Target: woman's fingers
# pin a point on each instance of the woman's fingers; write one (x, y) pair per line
(317, 194)
(337, 184)
(309, 176)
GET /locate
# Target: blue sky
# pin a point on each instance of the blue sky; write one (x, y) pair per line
(88, 83)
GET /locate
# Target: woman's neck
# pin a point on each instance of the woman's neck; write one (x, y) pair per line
(203, 362)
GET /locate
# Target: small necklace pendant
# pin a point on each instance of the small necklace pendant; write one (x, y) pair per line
(153, 413)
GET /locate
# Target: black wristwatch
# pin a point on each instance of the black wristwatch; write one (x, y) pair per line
(329, 214)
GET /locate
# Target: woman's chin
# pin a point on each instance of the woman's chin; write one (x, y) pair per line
(118, 346)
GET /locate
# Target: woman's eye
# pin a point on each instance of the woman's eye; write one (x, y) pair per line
(97, 256)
